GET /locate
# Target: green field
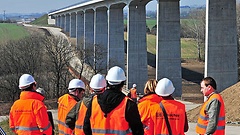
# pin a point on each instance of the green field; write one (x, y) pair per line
(42, 21)
(14, 32)
(150, 22)
(188, 46)
(11, 32)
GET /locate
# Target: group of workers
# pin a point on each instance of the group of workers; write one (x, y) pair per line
(107, 111)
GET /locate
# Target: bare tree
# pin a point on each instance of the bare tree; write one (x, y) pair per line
(60, 53)
(17, 58)
(195, 28)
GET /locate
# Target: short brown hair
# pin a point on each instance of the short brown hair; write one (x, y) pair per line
(210, 81)
(150, 86)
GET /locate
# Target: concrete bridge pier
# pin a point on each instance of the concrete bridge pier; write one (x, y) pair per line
(221, 43)
(136, 46)
(100, 39)
(116, 36)
(168, 53)
(67, 26)
(73, 25)
(57, 18)
(80, 29)
(89, 35)
(63, 21)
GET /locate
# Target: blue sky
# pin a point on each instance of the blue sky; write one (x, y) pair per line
(39, 6)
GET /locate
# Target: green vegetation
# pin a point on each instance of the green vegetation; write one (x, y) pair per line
(42, 21)
(12, 32)
(188, 46)
(5, 127)
(150, 22)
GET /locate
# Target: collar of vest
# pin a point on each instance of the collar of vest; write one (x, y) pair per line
(31, 95)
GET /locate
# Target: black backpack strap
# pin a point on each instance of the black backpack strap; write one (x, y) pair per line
(166, 119)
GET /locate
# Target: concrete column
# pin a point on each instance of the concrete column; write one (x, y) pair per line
(116, 37)
(63, 22)
(221, 43)
(73, 25)
(136, 47)
(67, 26)
(80, 29)
(56, 20)
(89, 36)
(168, 51)
(100, 39)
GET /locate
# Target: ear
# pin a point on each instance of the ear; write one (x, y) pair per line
(210, 88)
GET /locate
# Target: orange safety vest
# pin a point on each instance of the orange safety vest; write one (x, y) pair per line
(65, 104)
(133, 92)
(176, 117)
(28, 115)
(145, 113)
(203, 118)
(79, 122)
(113, 124)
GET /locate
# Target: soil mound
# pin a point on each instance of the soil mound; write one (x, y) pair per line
(232, 105)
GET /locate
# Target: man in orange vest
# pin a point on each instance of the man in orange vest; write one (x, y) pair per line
(133, 93)
(66, 102)
(211, 120)
(169, 116)
(28, 115)
(76, 116)
(112, 112)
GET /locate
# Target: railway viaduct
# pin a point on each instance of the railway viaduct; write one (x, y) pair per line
(101, 22)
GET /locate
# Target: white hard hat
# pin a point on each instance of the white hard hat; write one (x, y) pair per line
(115, 75)
(25, 80)
(76, 83)
(164, 87)
(98, 82)
(134, 85)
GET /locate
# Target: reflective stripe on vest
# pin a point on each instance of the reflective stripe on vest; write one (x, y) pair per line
(31, 128)
(109, 131)
(203, 118)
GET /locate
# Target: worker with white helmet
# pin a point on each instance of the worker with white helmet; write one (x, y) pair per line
(133, 93)
(76, 116)
(28, 114)
(112, 112)
(169, 116)
(66, 102)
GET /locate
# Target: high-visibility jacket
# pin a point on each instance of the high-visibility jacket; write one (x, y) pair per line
(203, 119)
(79, 122)
(145, 113)
(65, 104)
(133, 92)
(114, 123)
(176, 117)
(28, 115)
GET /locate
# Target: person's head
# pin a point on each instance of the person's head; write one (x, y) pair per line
(76, 87)
(150, 86)
(164, 87)
(208, 85)
(134, 85)
(98, 83)
(27, 83)
(115, 78)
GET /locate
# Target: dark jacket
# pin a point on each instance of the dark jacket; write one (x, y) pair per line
(72, 116)
(108, 101)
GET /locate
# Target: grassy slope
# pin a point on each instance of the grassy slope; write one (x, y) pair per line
(42, 21)
(12, 32)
